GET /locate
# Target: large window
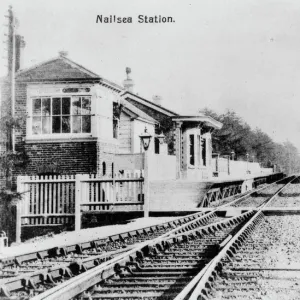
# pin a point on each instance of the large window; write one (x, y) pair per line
(55, 115)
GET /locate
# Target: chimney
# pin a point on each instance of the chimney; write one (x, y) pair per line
(20, 45)
(157, 100)
(63, 53)
(128, 82)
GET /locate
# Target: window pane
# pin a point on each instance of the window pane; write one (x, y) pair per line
(86, 124)
(66, 106)
(76, 106)
(46, 125)
(203, 152)
(36, 125)
(66, 125)
(115, 128)
(76, 124)
(56, 128)
(36, 106)
(46, 106)
(198, 149)
(56, 106)
(86, 105)
(192, 150)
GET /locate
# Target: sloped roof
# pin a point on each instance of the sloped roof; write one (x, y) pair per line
(137, 112)
(207, 120)
(62, 68)
(151, 104)
(59, 68)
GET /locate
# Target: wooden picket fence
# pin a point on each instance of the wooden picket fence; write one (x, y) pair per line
(61, 199)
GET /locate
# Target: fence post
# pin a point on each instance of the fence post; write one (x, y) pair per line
(20, 189)
(228, 162)
(78, 194)
(146, 186)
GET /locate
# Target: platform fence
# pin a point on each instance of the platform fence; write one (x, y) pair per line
(61, 199)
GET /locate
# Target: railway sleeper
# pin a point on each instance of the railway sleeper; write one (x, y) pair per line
(136, 295)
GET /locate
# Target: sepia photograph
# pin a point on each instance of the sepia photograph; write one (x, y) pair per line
(150, 150)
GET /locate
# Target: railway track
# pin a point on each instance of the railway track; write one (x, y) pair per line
(266, 266)
(259, 198)
(61, 256)
(36, 260)
(288, 197)
(64, 263)
(156, 270)
(262, 261)
(35, 274)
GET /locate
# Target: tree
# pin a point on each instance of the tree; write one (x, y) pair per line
(10, 161)
(236, 135)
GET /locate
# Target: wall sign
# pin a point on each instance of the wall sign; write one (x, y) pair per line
(76, 90)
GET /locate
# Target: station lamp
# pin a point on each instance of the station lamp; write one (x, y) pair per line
(161, 138)
(146, 139)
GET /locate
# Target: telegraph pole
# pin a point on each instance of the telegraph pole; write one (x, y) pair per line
(12, 49)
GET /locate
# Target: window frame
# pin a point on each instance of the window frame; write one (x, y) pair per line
(116, 129)
(58, 135)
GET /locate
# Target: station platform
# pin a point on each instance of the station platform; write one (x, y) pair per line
(186, 195)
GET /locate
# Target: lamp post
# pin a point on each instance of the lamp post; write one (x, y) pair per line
(145, 140)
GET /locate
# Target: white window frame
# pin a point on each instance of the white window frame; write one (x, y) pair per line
(197, 155)
(55, 136)
(118, 127)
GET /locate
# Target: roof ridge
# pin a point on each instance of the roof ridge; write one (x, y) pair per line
(63, 58)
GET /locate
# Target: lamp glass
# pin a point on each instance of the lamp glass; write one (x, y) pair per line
(160, 138)
(145, 138)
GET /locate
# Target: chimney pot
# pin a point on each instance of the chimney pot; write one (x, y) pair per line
(63, 53)
(157, 99)
(128, 83)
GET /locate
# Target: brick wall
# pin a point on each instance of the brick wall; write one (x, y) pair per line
(66, 157)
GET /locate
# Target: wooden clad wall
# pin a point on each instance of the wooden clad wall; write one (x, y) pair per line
(125, 133)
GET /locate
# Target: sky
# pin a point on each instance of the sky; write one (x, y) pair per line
(220, 54)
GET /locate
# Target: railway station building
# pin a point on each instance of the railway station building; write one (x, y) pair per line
(86, 163)
(76, 121)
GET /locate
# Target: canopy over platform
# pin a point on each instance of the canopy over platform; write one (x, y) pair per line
(201, 119)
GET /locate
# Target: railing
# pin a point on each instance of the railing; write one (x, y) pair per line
(123, 192)
(55, 200)
(47, 199)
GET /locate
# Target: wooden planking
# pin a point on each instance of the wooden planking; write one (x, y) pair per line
(51, 199)
(125, 133)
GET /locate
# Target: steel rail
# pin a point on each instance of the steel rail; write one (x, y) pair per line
(199, 291)
(82, 282)
(33, 278)
(68, 248)
(196, 220)
(273, 198)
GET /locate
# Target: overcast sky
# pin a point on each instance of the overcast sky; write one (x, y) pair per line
(240, 55)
